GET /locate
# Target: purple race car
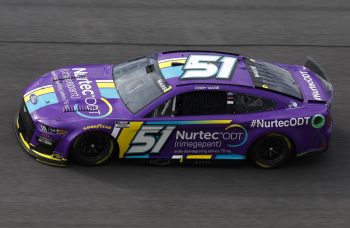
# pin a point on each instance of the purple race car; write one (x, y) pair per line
(178, 106)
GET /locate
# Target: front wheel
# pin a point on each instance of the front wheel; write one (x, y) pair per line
(271, 151)
(92, 149)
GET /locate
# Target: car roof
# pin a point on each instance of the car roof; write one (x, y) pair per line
(172, 62)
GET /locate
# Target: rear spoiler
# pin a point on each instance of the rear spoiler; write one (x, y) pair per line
(317, 68)
(312, 65)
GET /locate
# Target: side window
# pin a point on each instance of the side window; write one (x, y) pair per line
(201, 103)
(247, 103)
(166, 109)
(211, 103)
(195, 103)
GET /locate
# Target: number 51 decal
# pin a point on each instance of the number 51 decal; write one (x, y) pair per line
(150, 139)
(206, 66)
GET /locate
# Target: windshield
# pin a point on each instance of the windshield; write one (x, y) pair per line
(269, 76)
(139, 82)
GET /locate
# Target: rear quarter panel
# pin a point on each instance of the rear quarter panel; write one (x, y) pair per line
(295, 123)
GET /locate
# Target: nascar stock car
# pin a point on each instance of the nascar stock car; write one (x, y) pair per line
(177, 106)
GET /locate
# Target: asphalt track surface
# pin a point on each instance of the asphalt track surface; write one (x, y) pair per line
(37, 36)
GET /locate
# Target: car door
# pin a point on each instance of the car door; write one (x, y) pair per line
(248, 110)
(193, 125)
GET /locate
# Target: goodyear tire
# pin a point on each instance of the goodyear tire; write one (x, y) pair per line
(92, 149)
(271, 151)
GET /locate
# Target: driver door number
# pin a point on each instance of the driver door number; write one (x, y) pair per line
(150, 139)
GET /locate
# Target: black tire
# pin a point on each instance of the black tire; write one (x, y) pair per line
(92, 149)
(271, 151)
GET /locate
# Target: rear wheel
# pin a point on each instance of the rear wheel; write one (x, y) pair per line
(92, 149)
(271, 151)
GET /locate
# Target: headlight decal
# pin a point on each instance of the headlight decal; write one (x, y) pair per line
(51, 130)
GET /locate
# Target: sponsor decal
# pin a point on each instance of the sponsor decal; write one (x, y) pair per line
(292, 104)
(205, 87)
(164, 85)
(45, 141)
(312, 86)
(97, 126)
(33, 98)
(43, 128)
(255, 71)
(234, 135)
(51, 130)
(122, 124)
(103, 109)
(241, 131)
(292, 122)
(74, 84)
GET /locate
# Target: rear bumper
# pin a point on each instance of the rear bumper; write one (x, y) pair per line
(53, 159)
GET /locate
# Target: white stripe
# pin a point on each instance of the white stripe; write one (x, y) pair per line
(115, 132)
(42, 87)
(104, 80)
(167, 60)
(177, 156)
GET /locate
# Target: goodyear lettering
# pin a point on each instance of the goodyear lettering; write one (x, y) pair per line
(97, 126)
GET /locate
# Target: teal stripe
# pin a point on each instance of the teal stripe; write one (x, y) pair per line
(43, 100)
(175, 122)
(171, 72)
(137, 156)
(109, 93)
(230, 156)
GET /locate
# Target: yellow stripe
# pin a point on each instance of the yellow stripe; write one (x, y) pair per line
(105, 85)
(126, 136)
(39, 92)
(109, 106)
(199, 156)
(168, 63)
(50, 157)
(24, 141)
(216, 121)
(17, 123)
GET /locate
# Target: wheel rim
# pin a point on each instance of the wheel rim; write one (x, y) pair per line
(94, 147)
(272, 150)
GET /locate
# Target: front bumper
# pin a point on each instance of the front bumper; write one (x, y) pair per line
(52, 159)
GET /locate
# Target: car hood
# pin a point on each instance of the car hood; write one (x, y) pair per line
(75, 92)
